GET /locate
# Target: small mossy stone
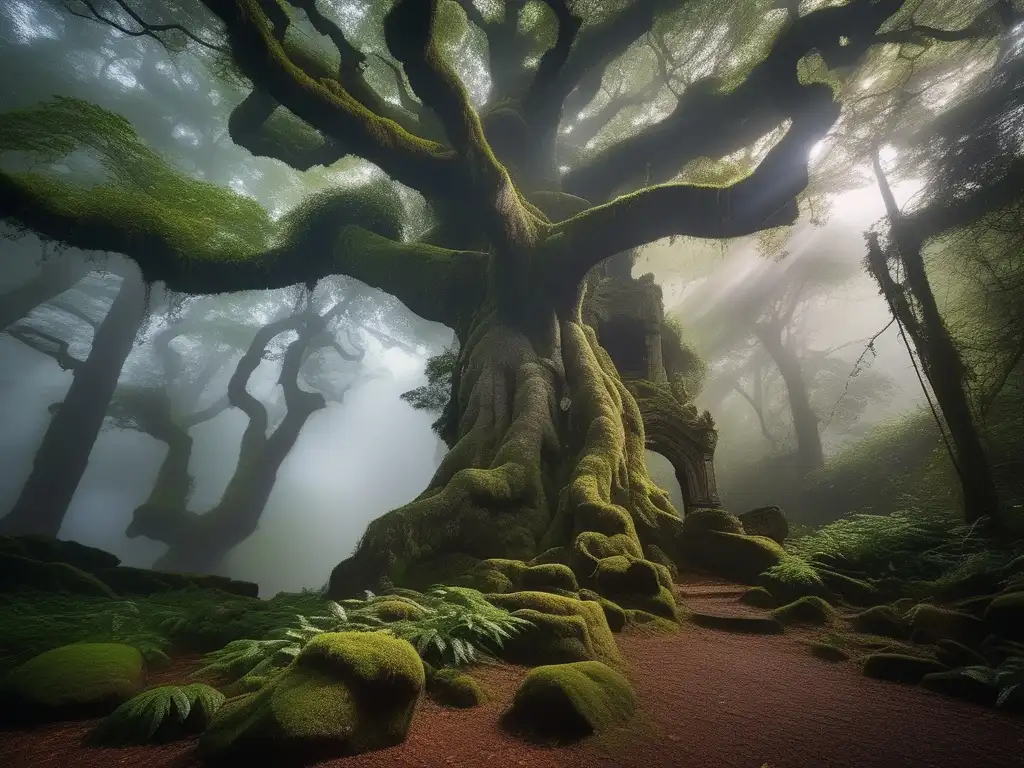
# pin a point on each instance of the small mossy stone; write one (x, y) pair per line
(613, 613)
(488, 580)
(828, 652)
(19, 574)
(72, 681)
(879, 620)
(568, 702)
(559, 639)
(452, 688)
(930, 623)
(648, 623)
(791, 578)
(711, 520)
(621, 575)
(1005, 615)
(769, 522)
(396, 609)
(758, 597)
(806, 610)
(345, 693)
(853, 590)
(900, 667)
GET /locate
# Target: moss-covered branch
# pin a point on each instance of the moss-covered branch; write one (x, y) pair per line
(764, 199)
(330, 106)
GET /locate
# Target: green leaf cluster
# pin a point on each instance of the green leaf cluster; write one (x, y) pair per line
(159, 714)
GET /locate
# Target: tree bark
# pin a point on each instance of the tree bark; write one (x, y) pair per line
(63, 456)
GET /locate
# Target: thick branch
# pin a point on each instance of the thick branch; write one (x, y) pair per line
(764, 199)
(145, 29)
(48, 345)
(709, 124)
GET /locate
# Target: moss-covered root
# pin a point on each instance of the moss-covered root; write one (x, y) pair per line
(345, 693)
(73, 681)
(452, 688)
(568, 702)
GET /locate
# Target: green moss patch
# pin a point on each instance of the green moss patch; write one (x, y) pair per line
(345, 693)
(452, 688)
(806, 610)
(758, 597)
(900, 667)
(568, 702)
(880, 620)
(79, 680)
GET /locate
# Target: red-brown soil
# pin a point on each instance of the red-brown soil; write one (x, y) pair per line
(709, 700)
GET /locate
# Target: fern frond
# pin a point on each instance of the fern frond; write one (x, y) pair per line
(159, 714)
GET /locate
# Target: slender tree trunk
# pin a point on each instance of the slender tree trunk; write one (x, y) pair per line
(805, 420)
(943, 366)
(63, 456)
(55, 277)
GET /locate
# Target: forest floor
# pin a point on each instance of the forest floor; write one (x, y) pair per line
(709, 699)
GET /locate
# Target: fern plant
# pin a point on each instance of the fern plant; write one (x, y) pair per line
(249, 657)
(159, 714)
(1007, 679)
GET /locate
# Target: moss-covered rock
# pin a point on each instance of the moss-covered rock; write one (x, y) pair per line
(564, 630)
(397, 609)
(452, 688)
(613, 613)
(713, 540)
(852, 589)
(828, 652)
(955, 683)
(546, 577)
(345, 693)
(73, 681)
(18, 574)
(142, 581)
(954, 654)
(769, 522)
(791, 578)
(930, 623)
(900, 667)
(1005, 614)
(880, 620)
(657, 556)
(758, 597)
(567, 702)
(44, 549)
(806, 610)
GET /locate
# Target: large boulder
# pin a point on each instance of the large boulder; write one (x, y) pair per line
(345, 693)
(567, 702)
(73, 681)
(713, 539)
(769, 522)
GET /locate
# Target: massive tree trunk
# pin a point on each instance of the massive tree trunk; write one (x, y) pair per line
(805, 420)
(63, 456)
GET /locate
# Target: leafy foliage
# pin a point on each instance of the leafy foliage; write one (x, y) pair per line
(449, 626)
(436, 393)
(1007, 679)
(158, 714)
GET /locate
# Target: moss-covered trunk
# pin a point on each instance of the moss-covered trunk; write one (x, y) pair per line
(63, 456)
(547, 467)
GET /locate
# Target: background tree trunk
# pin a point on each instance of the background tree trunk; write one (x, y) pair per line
(63, 456)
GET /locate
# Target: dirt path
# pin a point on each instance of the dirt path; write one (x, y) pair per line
(710, 700)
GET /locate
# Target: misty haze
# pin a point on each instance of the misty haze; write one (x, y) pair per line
(374, 374)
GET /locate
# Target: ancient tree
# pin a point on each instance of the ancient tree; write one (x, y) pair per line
(547, 464)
